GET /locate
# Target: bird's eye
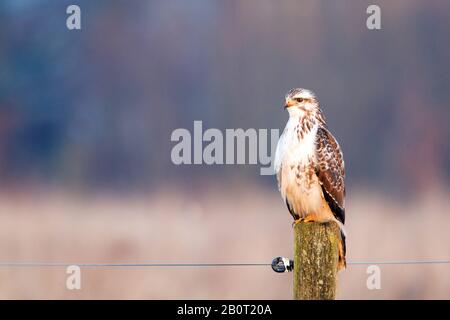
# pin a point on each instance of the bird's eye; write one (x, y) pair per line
(299, 99)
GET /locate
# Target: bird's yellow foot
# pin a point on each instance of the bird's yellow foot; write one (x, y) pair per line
(297, 221)
(308, 219)
(302, 220)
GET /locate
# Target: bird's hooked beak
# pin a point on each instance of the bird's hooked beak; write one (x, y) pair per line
(289, 103)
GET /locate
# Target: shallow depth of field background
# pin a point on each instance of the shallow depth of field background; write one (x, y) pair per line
(86, 118)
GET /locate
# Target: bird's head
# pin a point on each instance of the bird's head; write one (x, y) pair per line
(300, 102)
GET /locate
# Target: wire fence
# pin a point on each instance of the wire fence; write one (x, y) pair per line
(199, 265)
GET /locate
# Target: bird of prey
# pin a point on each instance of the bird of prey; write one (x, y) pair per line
(310, 167)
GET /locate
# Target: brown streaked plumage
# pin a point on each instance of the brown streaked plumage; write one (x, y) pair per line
(331, 172)
(310, 166)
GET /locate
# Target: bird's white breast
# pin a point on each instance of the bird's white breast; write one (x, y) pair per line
(294, 163)
(292, 150)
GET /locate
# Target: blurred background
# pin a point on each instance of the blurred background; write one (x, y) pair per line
(86, 118)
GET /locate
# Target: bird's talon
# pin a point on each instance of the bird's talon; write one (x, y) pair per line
(297, 221)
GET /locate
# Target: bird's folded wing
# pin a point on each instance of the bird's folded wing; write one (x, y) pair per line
(331, 172)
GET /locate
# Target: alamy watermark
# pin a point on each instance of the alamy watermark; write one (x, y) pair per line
(235, 146)
(373, 281)
(73, 281)
(373, 21)
(73, 21)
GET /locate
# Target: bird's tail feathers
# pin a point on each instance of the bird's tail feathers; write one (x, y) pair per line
(342, 262)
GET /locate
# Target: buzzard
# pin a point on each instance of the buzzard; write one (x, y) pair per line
(310, 167)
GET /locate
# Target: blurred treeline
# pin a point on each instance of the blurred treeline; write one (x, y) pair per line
(96, 107)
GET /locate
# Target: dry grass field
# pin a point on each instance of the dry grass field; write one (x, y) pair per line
(222, 225)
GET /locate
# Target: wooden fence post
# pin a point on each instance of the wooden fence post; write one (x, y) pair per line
(315, 260)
